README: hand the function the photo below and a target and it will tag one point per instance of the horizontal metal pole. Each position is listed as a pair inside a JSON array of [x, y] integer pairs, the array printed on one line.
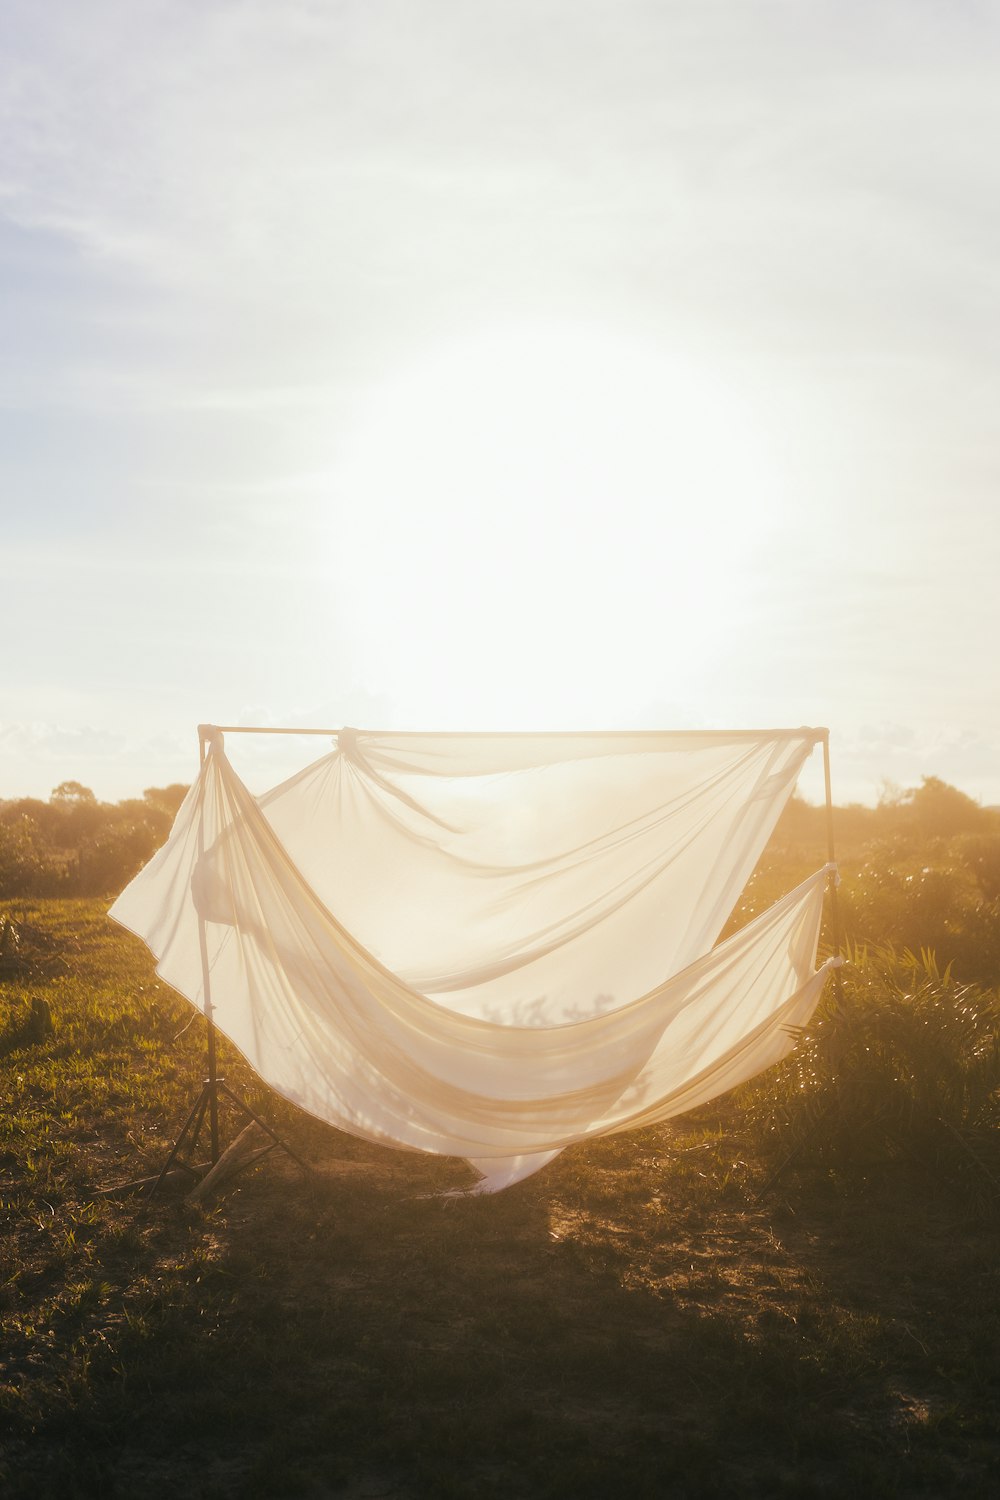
[[523, 734], [260, 729]]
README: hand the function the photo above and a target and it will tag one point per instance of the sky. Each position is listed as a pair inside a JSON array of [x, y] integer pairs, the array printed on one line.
[[471, 364]]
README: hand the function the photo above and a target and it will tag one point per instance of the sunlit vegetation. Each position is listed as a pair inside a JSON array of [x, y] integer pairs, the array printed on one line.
[[901, 1062], [73, 845], [919, 872], [792, 1293]]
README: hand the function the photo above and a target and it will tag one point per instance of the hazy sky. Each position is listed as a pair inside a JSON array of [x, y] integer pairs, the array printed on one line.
[[499, 363]]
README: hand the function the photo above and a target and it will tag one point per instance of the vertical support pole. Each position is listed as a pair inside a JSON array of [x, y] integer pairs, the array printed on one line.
[[832, 857], [213, 1093], [212, 1081]]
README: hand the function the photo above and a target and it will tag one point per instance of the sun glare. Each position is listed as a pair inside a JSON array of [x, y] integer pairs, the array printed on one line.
[[545, 529]]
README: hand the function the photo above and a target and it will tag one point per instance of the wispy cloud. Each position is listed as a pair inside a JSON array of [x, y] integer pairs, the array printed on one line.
[[51, 741], [315, 150]]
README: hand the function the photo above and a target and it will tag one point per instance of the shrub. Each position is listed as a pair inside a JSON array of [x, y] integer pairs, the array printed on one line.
[[906, 1063], [74, 845], [934, 895]]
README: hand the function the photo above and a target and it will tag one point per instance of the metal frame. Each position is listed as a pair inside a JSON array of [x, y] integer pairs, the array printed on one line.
[[833, 880], [207, 1102]]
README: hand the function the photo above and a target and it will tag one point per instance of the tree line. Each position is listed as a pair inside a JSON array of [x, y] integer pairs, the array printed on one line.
[[921, 870], [74, 845]]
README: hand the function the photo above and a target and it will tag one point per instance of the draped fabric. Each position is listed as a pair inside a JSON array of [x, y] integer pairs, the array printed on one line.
[[490, 946]]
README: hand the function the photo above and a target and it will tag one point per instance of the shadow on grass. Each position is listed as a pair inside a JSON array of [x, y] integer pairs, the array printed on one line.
[[596, 1330]]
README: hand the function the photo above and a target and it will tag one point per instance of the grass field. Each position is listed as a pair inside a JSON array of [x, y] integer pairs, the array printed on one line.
[[638, 1319]]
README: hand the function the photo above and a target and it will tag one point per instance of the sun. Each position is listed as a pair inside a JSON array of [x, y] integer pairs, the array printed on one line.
[[545, 528]]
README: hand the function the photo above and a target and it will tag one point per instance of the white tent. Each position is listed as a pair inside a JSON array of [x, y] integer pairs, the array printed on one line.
[[490, 946]]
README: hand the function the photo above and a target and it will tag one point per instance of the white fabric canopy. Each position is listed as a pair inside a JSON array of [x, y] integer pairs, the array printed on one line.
[[490, 946]]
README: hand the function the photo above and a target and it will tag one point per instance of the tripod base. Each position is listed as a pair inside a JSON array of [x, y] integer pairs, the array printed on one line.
[[207, 1103]]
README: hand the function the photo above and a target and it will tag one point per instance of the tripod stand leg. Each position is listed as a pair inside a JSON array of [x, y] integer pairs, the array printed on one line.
[[276, 1140], [193, 1123]]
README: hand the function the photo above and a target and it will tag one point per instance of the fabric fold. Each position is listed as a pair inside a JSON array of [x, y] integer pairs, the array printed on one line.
[[536, 1025]]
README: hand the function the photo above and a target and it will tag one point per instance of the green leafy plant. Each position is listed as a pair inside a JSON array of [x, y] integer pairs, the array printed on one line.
[[905, 1063]]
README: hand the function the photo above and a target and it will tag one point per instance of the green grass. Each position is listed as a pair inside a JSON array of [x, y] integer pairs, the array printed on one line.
[[635, 1320]]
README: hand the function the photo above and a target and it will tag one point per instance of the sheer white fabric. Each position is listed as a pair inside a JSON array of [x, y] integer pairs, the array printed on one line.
[[490, 946]]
